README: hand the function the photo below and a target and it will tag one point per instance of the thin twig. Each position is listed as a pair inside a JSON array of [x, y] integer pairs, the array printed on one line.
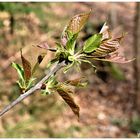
[[33, 89], [47, 48]]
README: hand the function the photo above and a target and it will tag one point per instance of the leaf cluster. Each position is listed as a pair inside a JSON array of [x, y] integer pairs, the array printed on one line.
[[100, 46], [26, 72]]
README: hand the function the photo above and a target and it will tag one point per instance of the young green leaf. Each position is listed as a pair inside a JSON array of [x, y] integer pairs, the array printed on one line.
[[92, 43], [20, 70], [27, 68], [70, 45], [77, 22], [30, 83], [69, 100]]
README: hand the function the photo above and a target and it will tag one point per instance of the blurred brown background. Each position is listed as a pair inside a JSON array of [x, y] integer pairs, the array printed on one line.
[[109, 104]]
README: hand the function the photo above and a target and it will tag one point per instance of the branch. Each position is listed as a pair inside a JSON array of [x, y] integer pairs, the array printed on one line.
[[33, 89]]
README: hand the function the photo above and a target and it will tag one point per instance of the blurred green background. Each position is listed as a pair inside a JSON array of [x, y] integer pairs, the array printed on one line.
[[107, 104]]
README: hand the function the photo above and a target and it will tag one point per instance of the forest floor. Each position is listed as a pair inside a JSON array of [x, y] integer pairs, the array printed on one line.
[[107, 105]]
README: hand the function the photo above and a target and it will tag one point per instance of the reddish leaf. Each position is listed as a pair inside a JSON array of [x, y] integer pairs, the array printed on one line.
[[69, 100], [110, 49], [77, 22], [27, 68], [106, 47], [117, 57]]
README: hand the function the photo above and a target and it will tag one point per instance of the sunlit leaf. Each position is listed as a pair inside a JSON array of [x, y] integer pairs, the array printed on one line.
[[69, 100], [92, 43], [30, 83], [77, 22], [70, 45], [110, 48], [21, 86], [105, 32], [19, 69], [74, 27], [106, 47], [27, 68]]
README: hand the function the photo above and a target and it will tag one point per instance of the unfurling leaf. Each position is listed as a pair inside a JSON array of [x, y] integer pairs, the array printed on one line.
[[109, 50], [70, 45], [92, 43], [106, 47], [77, 22], [30, 83], [39, 60], [71, 31], [105, 32], [27, 68], [69, 100], [20, 70], [115, 57]]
